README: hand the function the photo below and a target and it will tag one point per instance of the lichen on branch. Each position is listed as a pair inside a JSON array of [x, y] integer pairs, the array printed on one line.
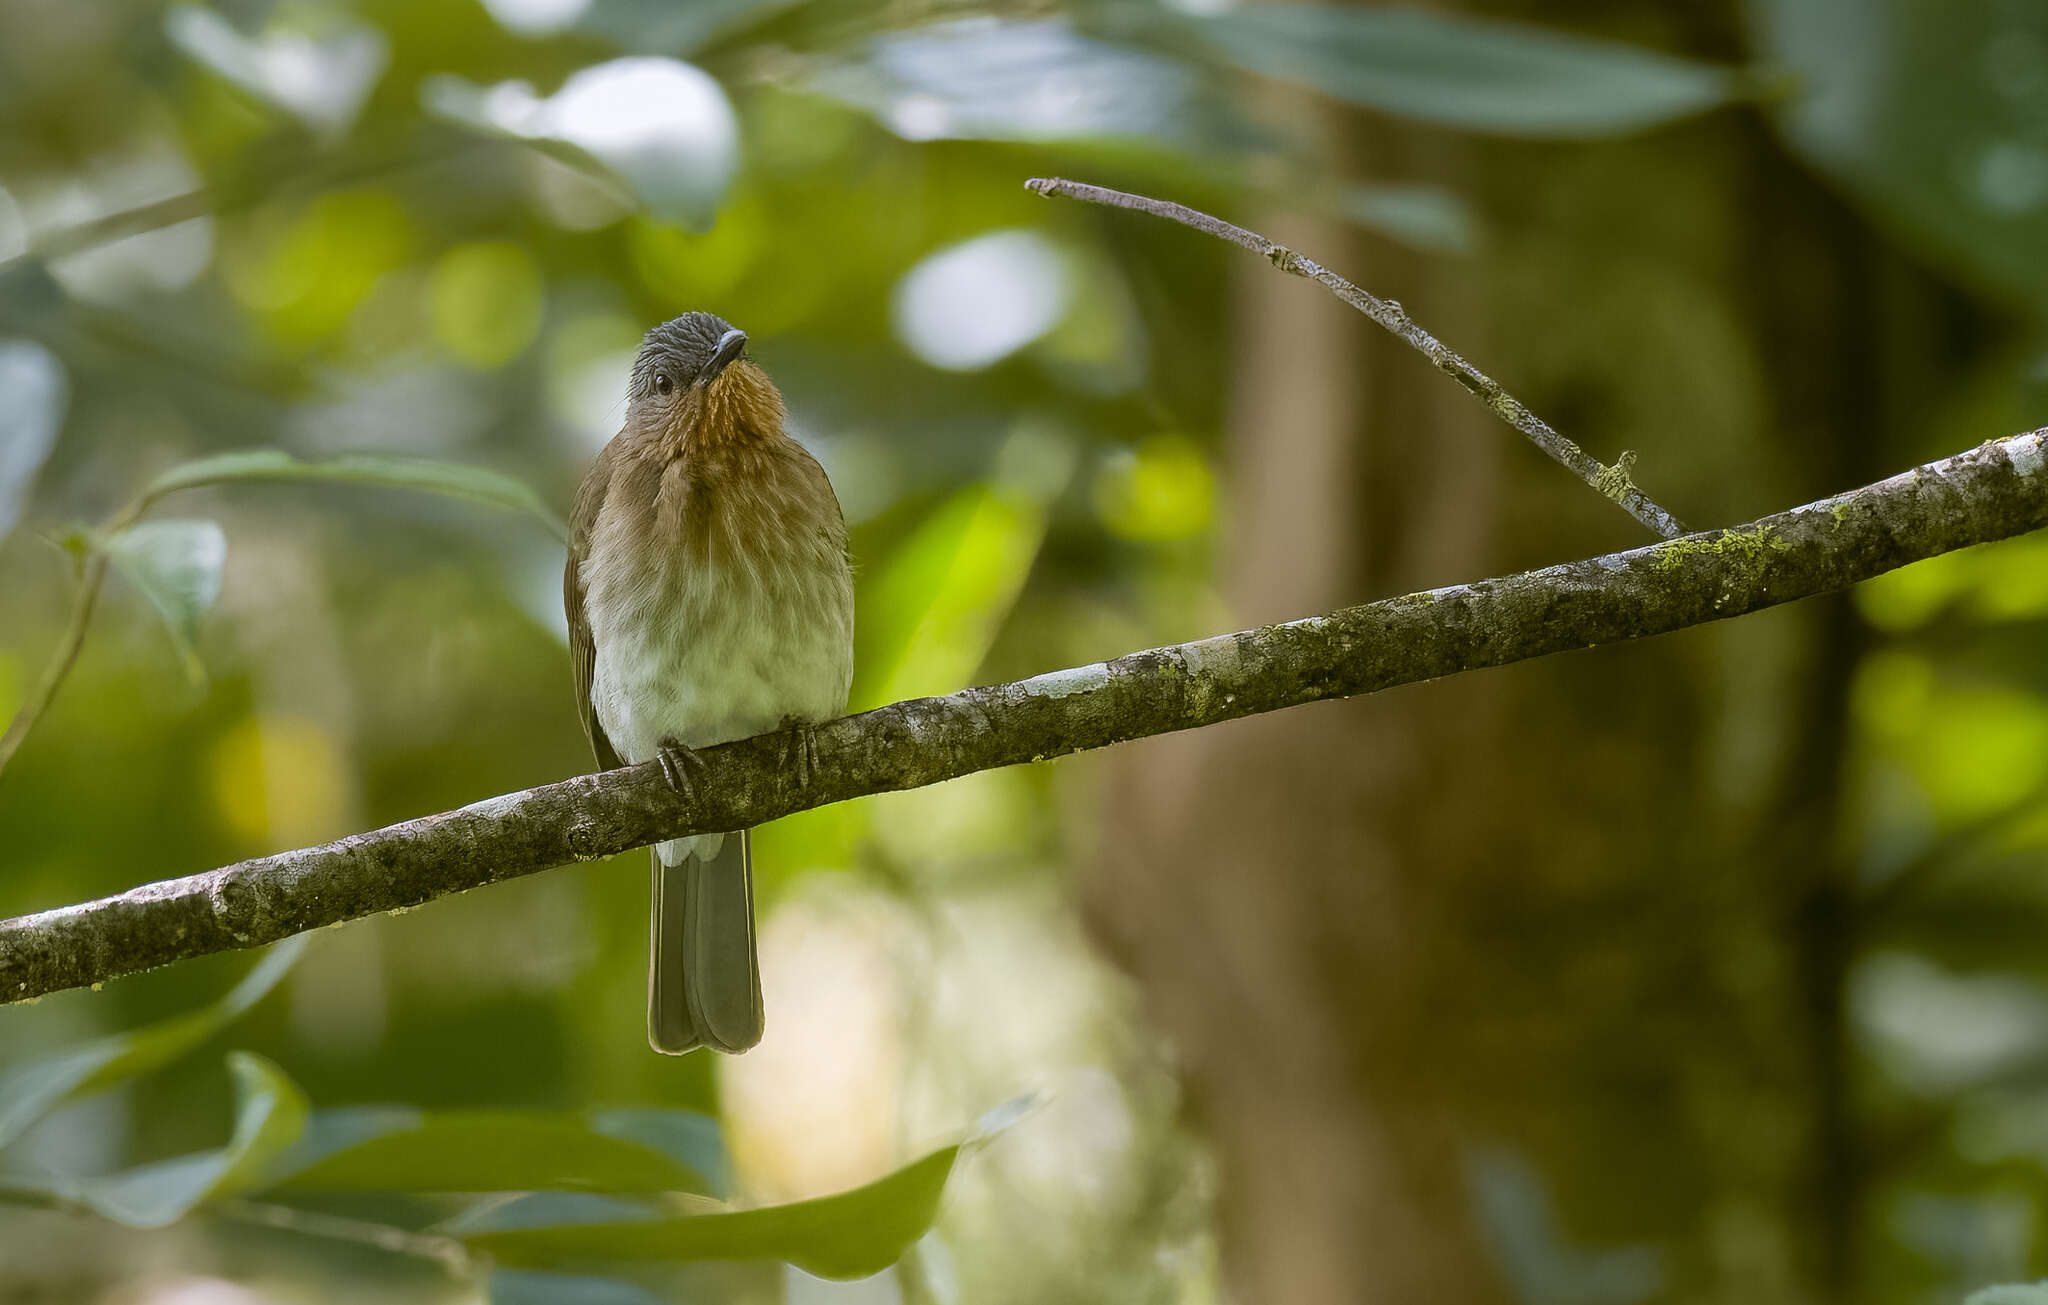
[[1993, 491]]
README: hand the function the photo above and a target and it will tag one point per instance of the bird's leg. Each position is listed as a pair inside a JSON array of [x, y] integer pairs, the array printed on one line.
[[800, 749], [680, 766]]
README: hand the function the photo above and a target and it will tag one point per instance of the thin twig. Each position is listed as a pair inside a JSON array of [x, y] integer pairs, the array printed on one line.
[[1610, 482], [450, 1254], [277, 172], [1994, 491], [82, 604]]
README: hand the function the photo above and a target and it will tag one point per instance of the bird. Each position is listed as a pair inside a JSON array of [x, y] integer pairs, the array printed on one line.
[[710, 597]]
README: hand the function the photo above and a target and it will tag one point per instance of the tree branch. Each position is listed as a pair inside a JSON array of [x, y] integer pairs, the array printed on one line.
[[1994, 491], [1610, 482]]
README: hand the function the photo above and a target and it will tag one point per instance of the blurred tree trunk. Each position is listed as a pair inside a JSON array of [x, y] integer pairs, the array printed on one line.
[[1586, 919], [1254, 891]]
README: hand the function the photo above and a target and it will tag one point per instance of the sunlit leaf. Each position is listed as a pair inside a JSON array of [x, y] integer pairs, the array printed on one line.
[[1502, 78], [33, 395], [399, 1149], [449, 479], [176, 563], [322, 80], [662, 126], [32, 1090], [850, 1235], [269, 1113], [935, 610]]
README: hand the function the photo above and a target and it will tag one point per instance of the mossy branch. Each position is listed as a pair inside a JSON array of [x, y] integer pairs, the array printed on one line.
[[1993, 491]]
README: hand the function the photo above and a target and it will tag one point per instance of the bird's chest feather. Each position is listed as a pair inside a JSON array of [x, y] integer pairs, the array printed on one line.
[[717, 630]]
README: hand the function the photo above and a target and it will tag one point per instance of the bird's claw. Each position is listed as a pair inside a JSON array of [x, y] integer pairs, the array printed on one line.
[[800, 749], [680, 766]]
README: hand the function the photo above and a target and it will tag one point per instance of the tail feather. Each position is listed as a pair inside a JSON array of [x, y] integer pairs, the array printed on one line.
[[703, 971]]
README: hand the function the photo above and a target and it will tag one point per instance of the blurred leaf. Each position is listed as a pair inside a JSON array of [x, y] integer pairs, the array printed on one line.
[[685, 1136], [1503, 78], [322, 79], [1429, 218], [475, 1151], [937, 607], [661, 27], [1931, 115], [1032, 79], [33, 395], [452, 480], [524, 1287], [2011, 1293], [554, 1209], [662, 126], [30, 1091], [177, 564], [850, 1235], [269, 1113]]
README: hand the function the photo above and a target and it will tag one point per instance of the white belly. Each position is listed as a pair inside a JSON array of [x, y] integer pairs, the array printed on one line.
[[696, 661]]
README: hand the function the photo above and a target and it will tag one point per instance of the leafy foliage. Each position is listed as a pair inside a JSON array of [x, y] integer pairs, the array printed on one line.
[[451, 480], [33, 1089], [176, 564], [1464, 73], [281, 1147], [850, 1235]]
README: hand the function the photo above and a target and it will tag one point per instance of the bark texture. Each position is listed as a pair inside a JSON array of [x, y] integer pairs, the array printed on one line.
[[1991, 492]]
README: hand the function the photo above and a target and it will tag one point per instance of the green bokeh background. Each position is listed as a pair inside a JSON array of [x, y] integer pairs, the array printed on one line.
[[1777, 247]]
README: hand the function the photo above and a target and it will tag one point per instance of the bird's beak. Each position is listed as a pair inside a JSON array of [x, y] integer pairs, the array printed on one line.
[[730, 346]]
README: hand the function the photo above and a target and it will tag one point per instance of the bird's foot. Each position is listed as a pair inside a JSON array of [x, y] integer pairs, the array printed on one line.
[[680, 766], [800, 750]]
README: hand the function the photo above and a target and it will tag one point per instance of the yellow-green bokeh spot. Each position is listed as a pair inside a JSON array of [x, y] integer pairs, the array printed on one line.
[[696, 271], [2005, 581], [1974, 749], [304, 271], [1163, 489], [279, 781], [11, 686], [486, 300]]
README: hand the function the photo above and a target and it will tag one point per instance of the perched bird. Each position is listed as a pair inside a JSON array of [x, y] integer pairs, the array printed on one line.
[[709, 599]]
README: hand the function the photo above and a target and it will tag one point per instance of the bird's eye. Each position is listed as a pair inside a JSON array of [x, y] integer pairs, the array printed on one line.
[[662, 383]]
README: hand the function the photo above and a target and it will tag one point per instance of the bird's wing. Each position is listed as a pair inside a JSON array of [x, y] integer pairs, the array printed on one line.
[[582, 649]]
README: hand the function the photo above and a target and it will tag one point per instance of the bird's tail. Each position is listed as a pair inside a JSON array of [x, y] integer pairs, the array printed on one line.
[[703, 973]]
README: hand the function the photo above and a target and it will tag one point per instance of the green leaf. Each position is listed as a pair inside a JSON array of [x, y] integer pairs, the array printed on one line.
[[34, 391], [396, 1149], [1502, 78], [676, 153], [689, 1138], [176, 563], [935, 610], [449, 479], [850, 1235], [270, 1111], [1927, 114], [30, 1091]]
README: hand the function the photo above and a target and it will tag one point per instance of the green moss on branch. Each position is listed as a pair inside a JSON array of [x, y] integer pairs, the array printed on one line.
[[1991, 492]]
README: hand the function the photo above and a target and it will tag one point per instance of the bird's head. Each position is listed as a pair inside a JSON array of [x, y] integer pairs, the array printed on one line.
[[693, 383]]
